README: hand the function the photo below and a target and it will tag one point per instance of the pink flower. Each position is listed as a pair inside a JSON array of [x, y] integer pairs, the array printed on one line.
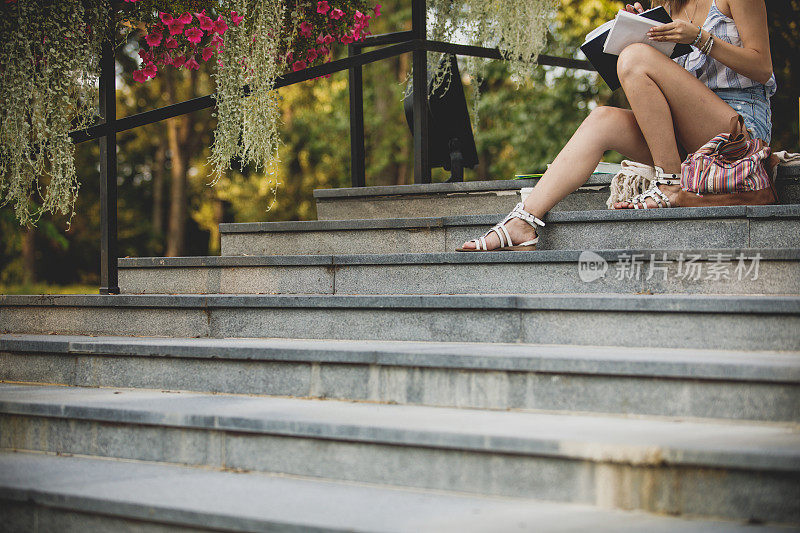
[[178, 61], [194, 35], [337, 13], [298, 65], [320, 39], [323, 7], [171, 43], [236, 18], [144, 54], [153, 39], [150, 70], [175, 27], [207, 53], [217, 41], [377, 10], [289, 56], [206, 24], [192, 64], [329, 39], [139, 76], [311, 55], [166, 18], [346, 39], [186, 18], [323, 51], [305, 29], [220, 26]]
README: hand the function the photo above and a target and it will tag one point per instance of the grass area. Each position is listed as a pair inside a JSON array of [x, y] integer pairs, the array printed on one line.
[[44, 288]]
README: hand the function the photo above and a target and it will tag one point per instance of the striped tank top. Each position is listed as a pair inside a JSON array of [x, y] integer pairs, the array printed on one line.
[[710, 71]]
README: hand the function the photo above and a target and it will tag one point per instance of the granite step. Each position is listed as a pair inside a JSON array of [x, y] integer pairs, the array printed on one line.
[[675, 229], [88, 494], [761, 386], [721, 271], [735, 471], [742, 322], [479, 197]]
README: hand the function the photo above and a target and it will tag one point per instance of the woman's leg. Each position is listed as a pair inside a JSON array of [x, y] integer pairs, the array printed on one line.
[[665, 98], [606, 128]]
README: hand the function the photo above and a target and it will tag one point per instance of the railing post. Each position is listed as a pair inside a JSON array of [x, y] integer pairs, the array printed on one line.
[[422, 167], [109, 283], [357, 151]]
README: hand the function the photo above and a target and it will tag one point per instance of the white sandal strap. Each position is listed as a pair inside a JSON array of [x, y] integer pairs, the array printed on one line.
[[502, 233], [520, 213], [508, 236], [529, 243]]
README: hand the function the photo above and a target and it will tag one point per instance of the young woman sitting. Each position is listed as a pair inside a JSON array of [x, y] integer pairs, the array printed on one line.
[[676, 107]]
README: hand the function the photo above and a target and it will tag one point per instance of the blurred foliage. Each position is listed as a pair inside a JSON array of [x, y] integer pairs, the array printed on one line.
[[518, 130]]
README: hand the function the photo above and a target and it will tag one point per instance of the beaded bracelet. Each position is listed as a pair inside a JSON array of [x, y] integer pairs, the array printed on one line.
[[699, 36]]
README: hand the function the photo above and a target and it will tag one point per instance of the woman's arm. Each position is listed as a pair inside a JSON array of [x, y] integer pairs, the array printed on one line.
[[752, 59]]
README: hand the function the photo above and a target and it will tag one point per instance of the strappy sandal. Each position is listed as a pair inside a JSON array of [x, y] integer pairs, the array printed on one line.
[[654, 192], [502, 233]]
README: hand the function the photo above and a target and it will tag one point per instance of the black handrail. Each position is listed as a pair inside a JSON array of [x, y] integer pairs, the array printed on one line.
[[393, 44]]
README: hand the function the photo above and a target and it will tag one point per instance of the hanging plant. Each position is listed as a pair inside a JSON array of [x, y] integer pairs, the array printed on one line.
[[49, 69], [518, 28]]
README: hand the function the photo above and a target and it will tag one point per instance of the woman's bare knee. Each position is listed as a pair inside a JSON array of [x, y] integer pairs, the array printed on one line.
[[633, 60], [608, 119]]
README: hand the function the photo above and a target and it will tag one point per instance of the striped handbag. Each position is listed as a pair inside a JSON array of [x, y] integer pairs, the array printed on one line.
[[728, 163]]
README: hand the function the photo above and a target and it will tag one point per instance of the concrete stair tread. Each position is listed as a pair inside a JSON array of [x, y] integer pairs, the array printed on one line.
[[638, 441], [791, 211], [704, 321], [690, 271], [670, 303], [785, 174], [778, 367], [202, 498], [774, 226], [433, 258]]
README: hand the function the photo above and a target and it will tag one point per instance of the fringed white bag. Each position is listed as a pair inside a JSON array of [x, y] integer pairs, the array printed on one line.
[[632, 179]]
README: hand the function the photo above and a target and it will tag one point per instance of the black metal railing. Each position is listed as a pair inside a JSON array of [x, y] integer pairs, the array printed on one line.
[[391, 45]]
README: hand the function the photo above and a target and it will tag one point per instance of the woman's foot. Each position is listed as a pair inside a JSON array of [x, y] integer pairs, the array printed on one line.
[[518, 230], [670, 191], [663, 192], [515, 232]]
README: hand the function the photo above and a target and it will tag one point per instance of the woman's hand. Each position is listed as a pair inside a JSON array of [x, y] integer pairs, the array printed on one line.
[[634, 8], [678, 31]]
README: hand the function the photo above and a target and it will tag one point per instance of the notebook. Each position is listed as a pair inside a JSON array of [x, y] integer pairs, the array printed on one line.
[[603, 45]]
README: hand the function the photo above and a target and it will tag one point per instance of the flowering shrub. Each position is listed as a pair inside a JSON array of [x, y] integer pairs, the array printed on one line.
[[308, 31]]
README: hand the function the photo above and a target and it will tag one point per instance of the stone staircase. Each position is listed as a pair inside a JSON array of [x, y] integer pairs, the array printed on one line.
[[355, 374]]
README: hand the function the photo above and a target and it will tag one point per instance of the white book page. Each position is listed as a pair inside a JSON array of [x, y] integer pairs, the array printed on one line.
[[629, 29], [600, 29]]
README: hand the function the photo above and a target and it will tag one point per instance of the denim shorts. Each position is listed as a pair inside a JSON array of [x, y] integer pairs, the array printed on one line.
[[752, 103]]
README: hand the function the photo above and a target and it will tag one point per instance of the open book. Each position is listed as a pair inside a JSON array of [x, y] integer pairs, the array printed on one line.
[[603, 45]]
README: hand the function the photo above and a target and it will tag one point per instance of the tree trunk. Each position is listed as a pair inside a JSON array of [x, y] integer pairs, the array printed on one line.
[[159, 171], [176, 233], [29, 256], [180, 144]]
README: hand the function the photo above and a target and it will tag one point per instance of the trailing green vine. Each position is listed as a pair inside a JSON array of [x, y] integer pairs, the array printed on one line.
[[49, 68]]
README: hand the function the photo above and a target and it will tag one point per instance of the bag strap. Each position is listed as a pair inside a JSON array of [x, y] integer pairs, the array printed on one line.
[[737, 127]]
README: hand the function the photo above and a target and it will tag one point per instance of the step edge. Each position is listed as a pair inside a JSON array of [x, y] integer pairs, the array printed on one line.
[[777, 460], [656, 303], [774, 368]]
